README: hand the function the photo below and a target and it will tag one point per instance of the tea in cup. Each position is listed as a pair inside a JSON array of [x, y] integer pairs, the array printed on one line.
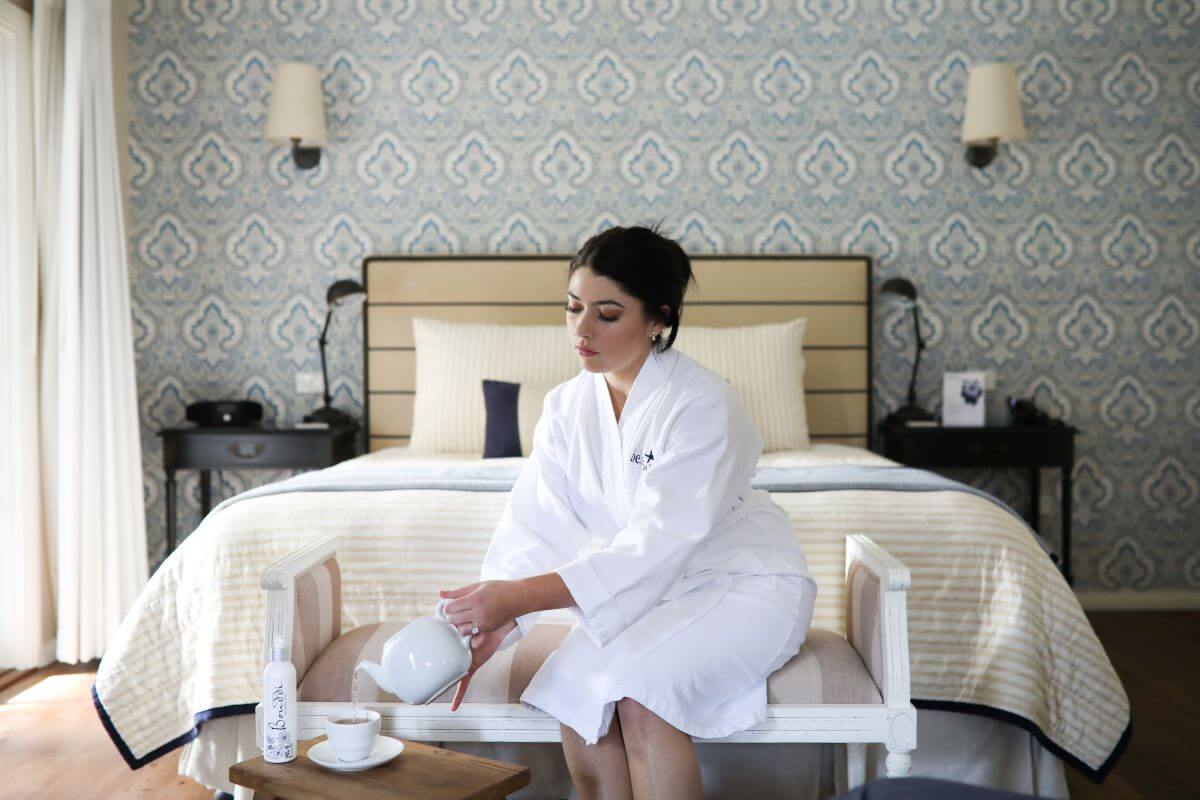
[[352, 737]]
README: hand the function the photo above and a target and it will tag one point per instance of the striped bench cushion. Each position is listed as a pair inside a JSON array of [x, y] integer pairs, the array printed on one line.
[[825, 671], [317, 615], [863, 597]]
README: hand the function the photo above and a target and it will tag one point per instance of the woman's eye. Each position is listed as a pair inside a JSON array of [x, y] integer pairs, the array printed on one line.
[[601, 317]]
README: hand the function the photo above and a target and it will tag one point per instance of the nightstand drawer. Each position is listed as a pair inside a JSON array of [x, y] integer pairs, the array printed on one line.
[[217, 450], [1009, 452], [974, 447]]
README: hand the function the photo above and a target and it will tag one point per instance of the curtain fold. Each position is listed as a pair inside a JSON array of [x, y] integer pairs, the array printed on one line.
[[48, 32], [26, 636], [92, 528]]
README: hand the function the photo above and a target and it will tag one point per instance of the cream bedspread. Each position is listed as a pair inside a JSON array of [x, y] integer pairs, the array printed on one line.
[[993, 627]]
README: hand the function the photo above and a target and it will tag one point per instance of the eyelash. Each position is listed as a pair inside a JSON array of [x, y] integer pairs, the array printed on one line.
[[598, 316]]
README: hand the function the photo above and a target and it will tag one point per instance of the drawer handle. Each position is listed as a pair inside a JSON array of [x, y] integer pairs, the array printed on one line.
[[239, 450]]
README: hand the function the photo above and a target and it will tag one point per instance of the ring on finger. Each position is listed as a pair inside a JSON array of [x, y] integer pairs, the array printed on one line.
[[474, 630]]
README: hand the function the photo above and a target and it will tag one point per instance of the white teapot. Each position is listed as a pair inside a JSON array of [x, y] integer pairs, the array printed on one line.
[[422, 659]]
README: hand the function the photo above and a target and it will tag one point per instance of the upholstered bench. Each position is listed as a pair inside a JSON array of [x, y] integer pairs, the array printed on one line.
[[826, 671], [851, 690]]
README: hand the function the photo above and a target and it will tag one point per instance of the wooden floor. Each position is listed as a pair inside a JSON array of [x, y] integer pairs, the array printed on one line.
[[1156, 656], [52, 744]]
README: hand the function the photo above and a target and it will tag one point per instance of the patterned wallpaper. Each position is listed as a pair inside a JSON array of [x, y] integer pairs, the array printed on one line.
[[1071, 266]]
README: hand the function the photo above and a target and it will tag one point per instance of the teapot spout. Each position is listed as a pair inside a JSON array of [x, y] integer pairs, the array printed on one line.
[[377, 674]]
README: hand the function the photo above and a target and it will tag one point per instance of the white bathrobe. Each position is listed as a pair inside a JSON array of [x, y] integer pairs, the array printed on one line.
[[690, 587]]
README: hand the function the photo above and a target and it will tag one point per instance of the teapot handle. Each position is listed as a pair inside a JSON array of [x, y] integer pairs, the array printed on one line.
[[440, 612]]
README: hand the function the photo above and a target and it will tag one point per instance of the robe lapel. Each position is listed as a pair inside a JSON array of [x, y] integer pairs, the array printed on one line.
[[649, 380], [643, 397]]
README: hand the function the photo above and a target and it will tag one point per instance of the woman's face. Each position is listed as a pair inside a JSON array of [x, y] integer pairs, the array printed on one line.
[[608, 329]]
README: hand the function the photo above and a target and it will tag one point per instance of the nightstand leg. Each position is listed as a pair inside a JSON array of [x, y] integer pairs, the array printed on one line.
[[1066, 524], [205, 492], [1035, 498], [170, 511]]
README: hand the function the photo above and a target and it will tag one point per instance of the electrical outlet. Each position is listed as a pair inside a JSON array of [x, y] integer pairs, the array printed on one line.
[[309, 383]]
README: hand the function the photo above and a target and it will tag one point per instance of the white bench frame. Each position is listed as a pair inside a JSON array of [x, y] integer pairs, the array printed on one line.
[[892, 723]]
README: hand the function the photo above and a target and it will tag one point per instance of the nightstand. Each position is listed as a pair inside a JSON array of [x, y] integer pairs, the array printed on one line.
[[1026, 446], [212, 448]]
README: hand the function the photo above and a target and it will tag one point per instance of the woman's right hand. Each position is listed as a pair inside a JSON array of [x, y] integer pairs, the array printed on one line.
[[483, 647]]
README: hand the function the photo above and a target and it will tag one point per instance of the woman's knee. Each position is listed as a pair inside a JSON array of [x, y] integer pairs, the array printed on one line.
[[638, 723]]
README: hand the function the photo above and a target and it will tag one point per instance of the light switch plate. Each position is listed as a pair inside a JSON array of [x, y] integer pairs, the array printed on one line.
[[309, 383]]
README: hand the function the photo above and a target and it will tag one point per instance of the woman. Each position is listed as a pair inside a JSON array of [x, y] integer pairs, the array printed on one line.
[[635, 512]]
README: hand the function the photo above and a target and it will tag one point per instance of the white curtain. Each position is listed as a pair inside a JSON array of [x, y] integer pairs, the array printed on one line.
[[26, 635], [93, 523]]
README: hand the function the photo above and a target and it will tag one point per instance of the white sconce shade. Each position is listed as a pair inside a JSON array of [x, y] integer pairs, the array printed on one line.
[[297, 106], [993, 106]]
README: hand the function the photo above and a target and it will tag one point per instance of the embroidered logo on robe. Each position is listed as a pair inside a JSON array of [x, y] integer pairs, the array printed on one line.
[[645, 459]]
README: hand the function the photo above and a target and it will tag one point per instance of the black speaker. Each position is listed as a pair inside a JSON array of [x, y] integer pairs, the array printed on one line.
[[230, 413]]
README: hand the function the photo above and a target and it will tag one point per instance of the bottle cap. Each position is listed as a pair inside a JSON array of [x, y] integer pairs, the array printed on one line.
[[279, 650]]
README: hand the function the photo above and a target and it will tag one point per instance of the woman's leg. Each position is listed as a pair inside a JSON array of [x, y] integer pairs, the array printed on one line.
[[600, 771], [662, 758]]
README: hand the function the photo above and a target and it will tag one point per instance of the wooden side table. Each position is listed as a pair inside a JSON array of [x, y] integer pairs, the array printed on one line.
[[212, 448], [1025, 446], [421, 772]]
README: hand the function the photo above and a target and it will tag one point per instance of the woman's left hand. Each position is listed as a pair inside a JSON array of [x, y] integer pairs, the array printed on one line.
[[486, 605]]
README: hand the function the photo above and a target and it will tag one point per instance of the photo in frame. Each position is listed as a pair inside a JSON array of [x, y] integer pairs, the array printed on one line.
[[963, 402]]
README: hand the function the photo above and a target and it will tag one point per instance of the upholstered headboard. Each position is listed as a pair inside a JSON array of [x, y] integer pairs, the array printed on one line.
[[832, 292]]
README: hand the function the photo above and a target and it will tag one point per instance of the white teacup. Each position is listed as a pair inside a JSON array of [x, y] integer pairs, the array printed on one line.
[[352, 739]]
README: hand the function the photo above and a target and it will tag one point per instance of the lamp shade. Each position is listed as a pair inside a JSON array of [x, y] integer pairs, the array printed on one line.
[[900, 286], [297, 106], [345, 293], [993, 106]]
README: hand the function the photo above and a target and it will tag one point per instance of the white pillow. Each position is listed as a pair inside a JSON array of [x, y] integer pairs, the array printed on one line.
[[453, 358], [529, 411], [765, 366], [763, 363]]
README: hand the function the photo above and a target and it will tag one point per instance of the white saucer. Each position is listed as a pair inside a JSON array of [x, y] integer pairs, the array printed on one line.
[[386, 748]]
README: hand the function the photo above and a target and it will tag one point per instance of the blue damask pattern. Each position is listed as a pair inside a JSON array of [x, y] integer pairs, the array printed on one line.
[[1071, 266]]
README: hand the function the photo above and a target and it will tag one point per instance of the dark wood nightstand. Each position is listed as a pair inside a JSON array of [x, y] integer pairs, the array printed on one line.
[[1029, 446], [212, 448]]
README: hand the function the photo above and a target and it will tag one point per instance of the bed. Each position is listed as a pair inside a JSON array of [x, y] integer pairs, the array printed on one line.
[[1009, 676]]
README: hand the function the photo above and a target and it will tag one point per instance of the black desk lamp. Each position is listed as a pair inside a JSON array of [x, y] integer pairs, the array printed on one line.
[[341, 293], [902, 287]]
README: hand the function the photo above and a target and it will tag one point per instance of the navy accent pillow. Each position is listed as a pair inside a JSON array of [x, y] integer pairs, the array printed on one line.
[[501, 434]]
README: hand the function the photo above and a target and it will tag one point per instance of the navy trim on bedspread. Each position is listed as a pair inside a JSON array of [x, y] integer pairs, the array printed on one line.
[[201, 718], [1095, 775]]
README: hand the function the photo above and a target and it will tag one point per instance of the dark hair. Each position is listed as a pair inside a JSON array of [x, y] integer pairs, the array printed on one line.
[[647, 265]]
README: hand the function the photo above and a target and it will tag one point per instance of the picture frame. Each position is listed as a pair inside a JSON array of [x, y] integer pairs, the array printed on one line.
[[963, 399]]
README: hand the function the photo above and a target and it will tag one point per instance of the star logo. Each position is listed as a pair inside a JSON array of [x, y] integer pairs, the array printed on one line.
[[645, 459]]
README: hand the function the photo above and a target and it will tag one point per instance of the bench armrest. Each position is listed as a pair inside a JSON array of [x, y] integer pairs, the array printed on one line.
[[877, 627], [304, 603], [877, 615]]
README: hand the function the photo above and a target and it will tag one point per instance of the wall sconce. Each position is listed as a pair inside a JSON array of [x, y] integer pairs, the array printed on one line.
[[993, 112], [296, 112]]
